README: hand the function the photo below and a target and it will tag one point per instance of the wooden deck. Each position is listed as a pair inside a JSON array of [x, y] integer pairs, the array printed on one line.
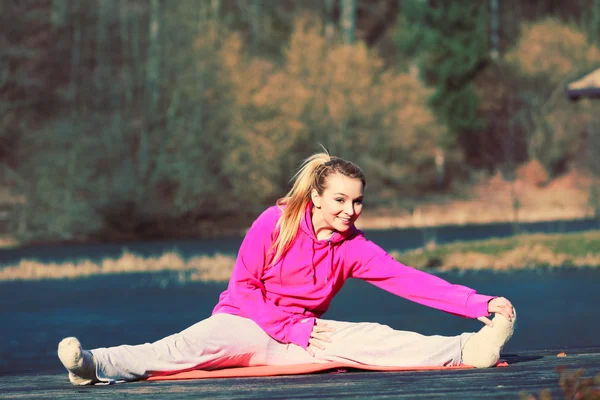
[[528, 371]]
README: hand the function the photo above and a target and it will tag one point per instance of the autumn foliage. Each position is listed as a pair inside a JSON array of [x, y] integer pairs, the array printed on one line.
[[153, 118]]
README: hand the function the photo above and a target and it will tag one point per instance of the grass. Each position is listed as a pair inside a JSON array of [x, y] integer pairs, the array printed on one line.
[[518, 252], [7, 242], [201, 268]]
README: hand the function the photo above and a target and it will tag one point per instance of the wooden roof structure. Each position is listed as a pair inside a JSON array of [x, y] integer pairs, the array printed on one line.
[[587, 86]]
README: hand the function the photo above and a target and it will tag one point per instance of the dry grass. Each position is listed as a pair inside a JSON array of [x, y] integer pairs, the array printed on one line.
[[7, 242], [519, 252], [202, 268]]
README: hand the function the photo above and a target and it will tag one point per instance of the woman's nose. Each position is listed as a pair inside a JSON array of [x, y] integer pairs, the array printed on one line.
[[350, 209]]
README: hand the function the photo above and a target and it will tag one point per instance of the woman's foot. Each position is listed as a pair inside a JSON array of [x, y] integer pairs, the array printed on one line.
[[80, 363], [482, 349]]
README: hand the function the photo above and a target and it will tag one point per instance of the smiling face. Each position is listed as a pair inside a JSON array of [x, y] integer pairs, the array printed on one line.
[[338, 207]]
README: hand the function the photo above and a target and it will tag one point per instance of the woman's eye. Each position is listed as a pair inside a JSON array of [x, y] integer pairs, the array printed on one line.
[[339, 200], [358, 202]]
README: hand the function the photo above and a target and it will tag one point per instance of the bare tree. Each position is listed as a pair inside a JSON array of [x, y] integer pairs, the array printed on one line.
[[494, 24], [59, 12], [215, 6], [348, 21], [152, 95], [329, 19], [153, 64], [595, 22]]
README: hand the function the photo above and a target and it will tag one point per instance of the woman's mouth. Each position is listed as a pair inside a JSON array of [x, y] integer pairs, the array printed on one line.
[[345, 221]]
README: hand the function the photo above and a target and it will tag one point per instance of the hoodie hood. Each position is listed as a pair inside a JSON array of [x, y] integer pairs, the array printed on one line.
[[336, 238]]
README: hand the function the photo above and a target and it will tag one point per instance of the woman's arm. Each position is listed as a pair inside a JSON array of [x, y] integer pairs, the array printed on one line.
[[372, 264]]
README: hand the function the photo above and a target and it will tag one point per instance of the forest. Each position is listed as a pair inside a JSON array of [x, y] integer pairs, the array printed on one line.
[[160, 118]]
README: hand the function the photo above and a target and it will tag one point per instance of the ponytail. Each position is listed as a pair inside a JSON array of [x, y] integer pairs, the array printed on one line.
[[296, 201]]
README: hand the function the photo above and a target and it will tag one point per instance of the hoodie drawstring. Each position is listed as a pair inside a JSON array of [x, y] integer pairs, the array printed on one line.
[[330, 272], [312, 262], [329, 255]]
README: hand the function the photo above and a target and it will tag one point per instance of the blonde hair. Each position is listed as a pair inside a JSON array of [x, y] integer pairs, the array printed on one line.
[[312, 175]]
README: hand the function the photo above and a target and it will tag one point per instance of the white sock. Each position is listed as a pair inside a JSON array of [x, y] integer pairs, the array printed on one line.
[[80, 363], [482, 349]]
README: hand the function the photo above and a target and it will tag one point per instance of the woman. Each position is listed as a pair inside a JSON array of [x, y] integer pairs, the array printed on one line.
[[292, 262]]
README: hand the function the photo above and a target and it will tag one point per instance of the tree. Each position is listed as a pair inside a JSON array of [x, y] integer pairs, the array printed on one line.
[[449, 41], [548, 54], [343, 97]]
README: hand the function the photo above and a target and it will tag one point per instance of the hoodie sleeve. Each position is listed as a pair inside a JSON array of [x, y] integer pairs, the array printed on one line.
[[374, 265], [247, 290]]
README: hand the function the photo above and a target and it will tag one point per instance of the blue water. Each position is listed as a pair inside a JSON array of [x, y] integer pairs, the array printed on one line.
[[556, 309]]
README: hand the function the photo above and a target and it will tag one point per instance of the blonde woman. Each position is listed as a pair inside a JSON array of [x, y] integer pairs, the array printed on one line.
[[294, 259]]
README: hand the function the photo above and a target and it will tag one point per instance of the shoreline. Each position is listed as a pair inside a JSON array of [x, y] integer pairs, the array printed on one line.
[[575, 250], [423, 217], [437, 216], [491, 199]]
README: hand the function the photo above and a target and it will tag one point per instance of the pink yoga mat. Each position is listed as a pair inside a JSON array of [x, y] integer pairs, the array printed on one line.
[[298, 369]]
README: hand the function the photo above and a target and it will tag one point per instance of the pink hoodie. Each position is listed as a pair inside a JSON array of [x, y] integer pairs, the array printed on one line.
[[285, 299]]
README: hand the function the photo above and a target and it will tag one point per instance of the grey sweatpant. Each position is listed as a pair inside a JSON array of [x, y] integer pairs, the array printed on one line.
[[225, 340]]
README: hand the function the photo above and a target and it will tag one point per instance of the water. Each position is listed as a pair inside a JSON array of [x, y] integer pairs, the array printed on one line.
[[557, 308]]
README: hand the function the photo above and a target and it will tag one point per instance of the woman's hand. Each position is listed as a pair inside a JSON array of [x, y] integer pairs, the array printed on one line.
[[318, 336], [501, 306]]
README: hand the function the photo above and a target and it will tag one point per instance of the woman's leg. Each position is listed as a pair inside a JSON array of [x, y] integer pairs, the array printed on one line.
[[376, 344], [220, 341]]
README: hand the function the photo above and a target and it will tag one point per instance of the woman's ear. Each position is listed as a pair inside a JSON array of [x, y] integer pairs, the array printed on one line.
[[316, 199]]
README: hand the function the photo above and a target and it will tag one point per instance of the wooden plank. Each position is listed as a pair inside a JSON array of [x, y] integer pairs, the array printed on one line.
[[528, 371]]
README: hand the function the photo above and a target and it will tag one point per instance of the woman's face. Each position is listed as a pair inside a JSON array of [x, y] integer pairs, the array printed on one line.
[[339, 206]]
